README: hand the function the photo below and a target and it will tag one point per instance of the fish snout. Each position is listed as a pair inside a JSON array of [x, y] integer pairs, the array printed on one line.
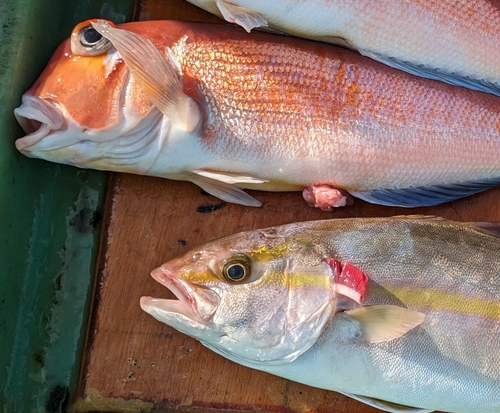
[[38, 117], [195, 301], [183, 303]]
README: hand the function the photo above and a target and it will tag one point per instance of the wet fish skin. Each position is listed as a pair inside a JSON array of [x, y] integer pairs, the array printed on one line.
[[448, 271], [457, 42], [275, 114]]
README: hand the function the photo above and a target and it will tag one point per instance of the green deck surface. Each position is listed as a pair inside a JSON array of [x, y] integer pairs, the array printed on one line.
[[49, 221]]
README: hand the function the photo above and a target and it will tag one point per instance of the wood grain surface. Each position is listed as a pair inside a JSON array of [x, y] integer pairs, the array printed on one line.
[[135, 363]]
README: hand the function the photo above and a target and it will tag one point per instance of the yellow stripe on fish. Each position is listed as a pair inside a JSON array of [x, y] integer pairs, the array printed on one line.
[[436, 300]]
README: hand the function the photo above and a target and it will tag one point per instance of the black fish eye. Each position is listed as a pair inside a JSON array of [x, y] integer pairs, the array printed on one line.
[[93, 41], [92, 36], [237, 268], [236, 271]]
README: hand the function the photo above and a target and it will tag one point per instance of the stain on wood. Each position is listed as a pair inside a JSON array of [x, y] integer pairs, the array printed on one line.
[[135, 363]]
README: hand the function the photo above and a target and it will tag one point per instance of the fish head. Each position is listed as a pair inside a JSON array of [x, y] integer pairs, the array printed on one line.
[[85, 109], [260, 297]]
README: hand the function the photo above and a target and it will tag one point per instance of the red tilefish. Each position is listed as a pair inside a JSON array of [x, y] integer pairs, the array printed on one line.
[[228, 111]]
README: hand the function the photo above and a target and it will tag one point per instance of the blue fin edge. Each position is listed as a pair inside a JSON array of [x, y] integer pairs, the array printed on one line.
[[425, 195]]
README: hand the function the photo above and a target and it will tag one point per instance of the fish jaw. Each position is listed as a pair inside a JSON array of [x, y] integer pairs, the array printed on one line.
[[183, 313], [37, 117], [53, 135], [194, 302]]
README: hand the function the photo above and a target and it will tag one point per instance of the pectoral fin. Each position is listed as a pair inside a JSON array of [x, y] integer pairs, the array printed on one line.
[[224, 191], [387, 406], [380, 323], [157, 75], [246, 18]]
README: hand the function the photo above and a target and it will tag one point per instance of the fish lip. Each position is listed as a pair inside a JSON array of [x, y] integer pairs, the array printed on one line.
[[185, 304], [35, 111]]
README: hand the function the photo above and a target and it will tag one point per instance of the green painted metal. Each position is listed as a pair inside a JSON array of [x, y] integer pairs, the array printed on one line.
[[49, 217]]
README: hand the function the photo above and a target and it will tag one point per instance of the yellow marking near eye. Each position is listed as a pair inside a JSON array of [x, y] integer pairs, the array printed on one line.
[[440, 301], [204, 277], [285, 249], [263, 253], [273, 278], [420, 298]]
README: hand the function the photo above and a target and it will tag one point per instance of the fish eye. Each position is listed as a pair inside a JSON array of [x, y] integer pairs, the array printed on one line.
[[237, 268], [90, 37], [92, 41]]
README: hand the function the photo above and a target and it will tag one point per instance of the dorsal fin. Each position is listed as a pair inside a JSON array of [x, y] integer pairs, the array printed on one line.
[[421, 217], [489, 228]]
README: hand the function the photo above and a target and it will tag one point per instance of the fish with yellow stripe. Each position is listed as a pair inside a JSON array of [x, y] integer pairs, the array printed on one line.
[[400, 313]]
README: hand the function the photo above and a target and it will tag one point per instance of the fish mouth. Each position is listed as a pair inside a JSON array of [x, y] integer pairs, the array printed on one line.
[[184, 304], [38, 117]]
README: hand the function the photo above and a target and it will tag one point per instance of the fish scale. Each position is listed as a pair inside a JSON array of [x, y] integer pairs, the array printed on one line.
[[350, 120]]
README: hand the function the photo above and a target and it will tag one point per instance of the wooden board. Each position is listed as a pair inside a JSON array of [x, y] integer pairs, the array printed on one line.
[[134, 363]]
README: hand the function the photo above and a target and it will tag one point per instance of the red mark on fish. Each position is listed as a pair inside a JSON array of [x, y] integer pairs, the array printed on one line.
[[349, 280]]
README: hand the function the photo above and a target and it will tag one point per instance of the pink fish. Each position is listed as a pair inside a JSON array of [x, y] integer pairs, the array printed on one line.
[[228, 110]]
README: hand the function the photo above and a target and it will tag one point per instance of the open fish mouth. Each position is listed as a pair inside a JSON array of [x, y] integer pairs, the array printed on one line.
[[38, 117], [185, 304]]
